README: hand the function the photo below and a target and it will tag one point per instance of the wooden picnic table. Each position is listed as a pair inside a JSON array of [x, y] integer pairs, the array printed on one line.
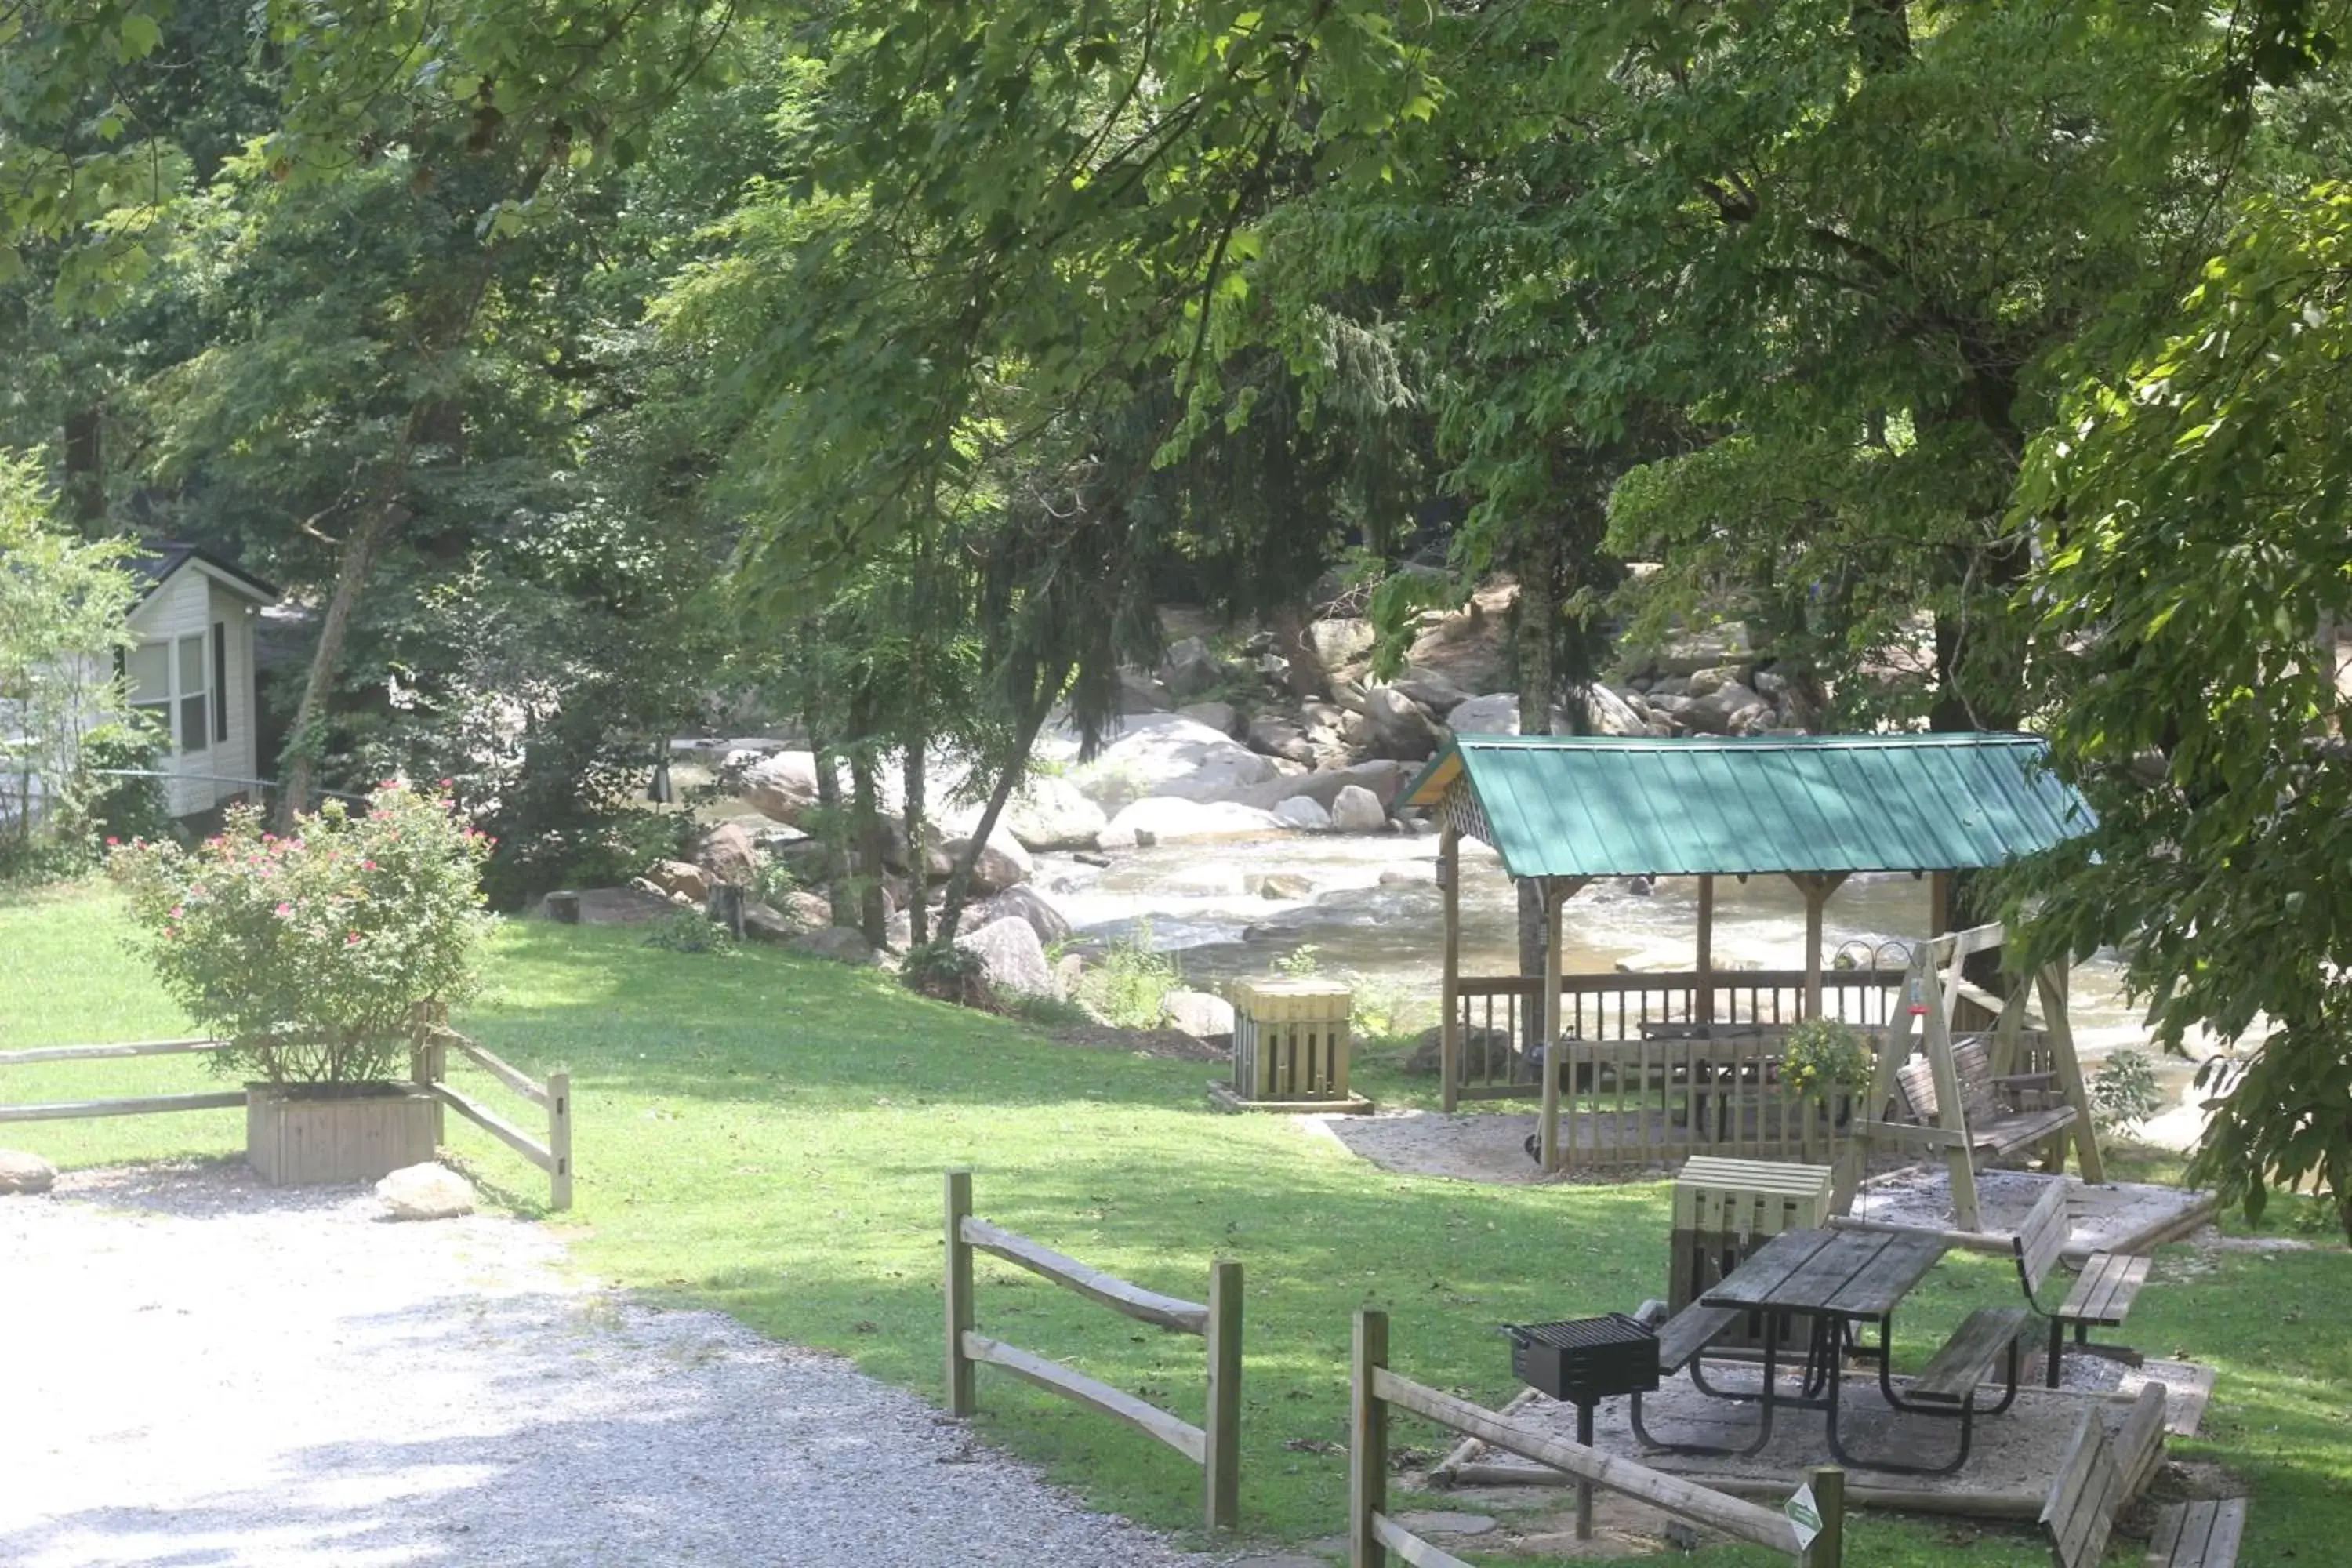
[[1839, 1278]]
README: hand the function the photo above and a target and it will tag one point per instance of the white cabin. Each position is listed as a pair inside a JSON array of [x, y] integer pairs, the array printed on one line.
[[193, 669]]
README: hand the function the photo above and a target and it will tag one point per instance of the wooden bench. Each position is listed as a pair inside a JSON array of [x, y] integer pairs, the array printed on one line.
[[1954, 1372], [2103, 1293], [2198, 1534], [2097, 1477], [1992, 1130]]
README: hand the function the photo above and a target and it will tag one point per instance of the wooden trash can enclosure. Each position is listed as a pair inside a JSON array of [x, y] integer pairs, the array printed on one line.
[[1290, 1049], [1726, 1209], [300, 1133]]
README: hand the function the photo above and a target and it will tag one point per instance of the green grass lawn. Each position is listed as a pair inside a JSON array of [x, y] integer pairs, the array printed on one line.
[[766, 1135]]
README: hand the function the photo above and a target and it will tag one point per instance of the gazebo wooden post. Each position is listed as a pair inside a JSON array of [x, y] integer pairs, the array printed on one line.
[[1557, 890], [1817, 886], [1551, 1004], [1940, 903], [1703, 1011], [1449, 1047]]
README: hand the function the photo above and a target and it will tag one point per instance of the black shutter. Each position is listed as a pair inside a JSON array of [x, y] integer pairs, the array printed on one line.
[[220, 680]]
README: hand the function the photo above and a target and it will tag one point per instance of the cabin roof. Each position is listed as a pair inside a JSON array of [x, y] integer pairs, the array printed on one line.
[[155, 562]]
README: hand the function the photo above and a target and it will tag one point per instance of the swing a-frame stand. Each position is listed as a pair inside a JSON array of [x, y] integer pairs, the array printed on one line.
[[1976, 1098]]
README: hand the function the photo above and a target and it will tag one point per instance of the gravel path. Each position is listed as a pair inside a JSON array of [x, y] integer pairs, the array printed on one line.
[[202, 1372]]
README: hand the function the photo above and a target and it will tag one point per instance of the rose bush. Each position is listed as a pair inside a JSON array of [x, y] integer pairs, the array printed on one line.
[[324, 938]]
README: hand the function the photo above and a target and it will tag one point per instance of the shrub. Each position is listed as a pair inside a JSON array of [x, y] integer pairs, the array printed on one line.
[[325, 940], [691, 931], [2124, 1092], [1822, 1057], [951, 974], [1126, 989]]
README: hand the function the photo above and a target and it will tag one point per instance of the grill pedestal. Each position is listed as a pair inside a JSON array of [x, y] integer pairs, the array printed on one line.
[[1581, 1362]]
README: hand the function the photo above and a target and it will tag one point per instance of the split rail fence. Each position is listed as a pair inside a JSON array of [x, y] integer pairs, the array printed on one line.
[[1373, 1535], [428, 1058], [1214, 1447], [428, 1065]]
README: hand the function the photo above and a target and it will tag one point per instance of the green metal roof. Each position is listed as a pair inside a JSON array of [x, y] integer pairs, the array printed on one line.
[[1594, 805]]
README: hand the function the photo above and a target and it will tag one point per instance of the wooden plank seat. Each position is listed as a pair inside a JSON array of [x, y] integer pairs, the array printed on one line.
[[2097, 1478], [1949, 1383], [1999, 1116], [1681, 1338], [1955, 1372], [2203, 1534], [2102, 1294]]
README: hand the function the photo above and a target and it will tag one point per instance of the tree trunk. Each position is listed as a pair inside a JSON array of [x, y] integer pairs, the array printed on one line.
[[1308, 677], [919, 858], [833, 824], [873, 851], [1533, 644], [305, 739], [1016, 768]]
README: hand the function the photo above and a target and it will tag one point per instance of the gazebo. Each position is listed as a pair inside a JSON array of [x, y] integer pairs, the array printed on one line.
[[1563, 810]]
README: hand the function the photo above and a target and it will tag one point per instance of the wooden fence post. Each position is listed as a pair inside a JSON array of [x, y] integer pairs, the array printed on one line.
[[1367, 1442], [1828, 1549], [962, 1397], [1221, 1464], [559, 1138]]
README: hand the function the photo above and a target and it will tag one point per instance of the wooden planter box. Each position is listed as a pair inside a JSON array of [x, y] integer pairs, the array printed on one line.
[[300, 1133]]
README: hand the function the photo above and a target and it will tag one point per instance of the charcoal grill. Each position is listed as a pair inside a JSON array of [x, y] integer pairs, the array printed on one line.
[[1583, 1360]]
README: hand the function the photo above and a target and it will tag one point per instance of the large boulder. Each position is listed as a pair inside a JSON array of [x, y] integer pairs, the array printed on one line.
[[680, 878], [1399, 729], [1163, 755], [1279, 738], [1051, 813], [1198, 1014], [730, 854], [783, 787], [1342, 641], [1188, 669], [1012, 958], [1498, 713], [1301, 811], [21, 1173], [1168, 819], [780, 922], [1002, 862], [1432, 690], [1611, 714], [1355, 809], [1221, 717], [429, 1191], [1142, 694], [1725, 711], [1383, 777], [838, 943], [1026, 904]]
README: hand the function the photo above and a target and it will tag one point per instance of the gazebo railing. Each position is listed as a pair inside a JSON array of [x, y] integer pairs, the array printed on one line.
[[1500, 1021]]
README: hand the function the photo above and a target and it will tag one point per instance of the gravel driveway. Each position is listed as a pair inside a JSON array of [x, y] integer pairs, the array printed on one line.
[[200, 1372]]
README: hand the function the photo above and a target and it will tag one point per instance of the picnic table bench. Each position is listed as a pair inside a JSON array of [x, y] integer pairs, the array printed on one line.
[[2102, 1295], [2097, 1477]]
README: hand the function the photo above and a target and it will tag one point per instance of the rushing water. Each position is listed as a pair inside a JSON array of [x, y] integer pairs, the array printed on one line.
[[1372, 911]]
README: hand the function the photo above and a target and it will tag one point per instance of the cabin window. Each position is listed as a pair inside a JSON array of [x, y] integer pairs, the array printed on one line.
[[170, 684], [195, 705], [147, 673], [220, 680]]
